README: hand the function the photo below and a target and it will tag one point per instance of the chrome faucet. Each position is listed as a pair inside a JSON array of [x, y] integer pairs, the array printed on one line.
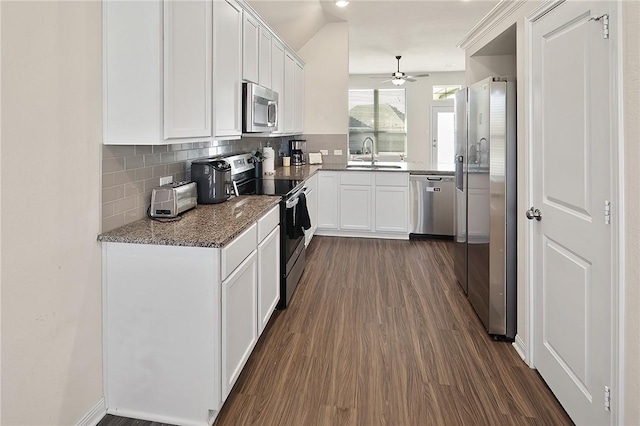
[[364, 142]]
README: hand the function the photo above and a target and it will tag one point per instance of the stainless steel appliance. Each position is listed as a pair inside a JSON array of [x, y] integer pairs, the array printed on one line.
[[431, 205], [259, 109], [486, 191], [168, 201], [213, 177], [460, 197], [293, 193], [297, 147]]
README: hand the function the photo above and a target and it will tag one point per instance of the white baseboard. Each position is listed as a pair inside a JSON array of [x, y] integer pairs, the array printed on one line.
[[520, 347], [362, 234], [93, 417]]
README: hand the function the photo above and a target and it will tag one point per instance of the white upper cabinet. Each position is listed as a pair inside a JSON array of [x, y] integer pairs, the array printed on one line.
[[289, 93], [264, 58], [157, 72], [250, 48], [227, 69], [173, 71], [132, 74], [298, 101], [277, 79], [187, 69]]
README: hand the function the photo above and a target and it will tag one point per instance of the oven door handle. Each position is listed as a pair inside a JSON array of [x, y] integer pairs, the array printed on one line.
[[292, 203]]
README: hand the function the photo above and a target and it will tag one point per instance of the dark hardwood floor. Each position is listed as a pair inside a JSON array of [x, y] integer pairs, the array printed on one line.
[[380, 333]]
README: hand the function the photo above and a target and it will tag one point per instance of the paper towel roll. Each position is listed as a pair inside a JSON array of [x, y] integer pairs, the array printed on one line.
[[268, 166]]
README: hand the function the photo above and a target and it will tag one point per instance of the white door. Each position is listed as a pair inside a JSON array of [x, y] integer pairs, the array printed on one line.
[[442, 137], [571, 178], [239, 320], [355, 208], [268, 277]]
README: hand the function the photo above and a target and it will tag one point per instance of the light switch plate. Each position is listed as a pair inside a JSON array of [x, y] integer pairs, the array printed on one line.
[[337, 152], [324, 151], [165, 180]]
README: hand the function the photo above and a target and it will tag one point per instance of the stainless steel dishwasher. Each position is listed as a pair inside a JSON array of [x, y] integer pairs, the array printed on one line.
[[431, 204]]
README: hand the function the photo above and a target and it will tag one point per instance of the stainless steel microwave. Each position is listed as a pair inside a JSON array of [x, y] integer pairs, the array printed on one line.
[[259, 108]]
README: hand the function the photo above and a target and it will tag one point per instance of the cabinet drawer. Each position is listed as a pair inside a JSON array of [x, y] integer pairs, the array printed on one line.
[[267, 222], [355, 178], [392, 179], [237, 250]]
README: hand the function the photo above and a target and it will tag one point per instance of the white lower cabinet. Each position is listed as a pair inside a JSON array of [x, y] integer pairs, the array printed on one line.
[[355, 208], [180, 322], [268, 277], [312, 207], [328, 183], [391, 210], [363, 204], [239, 320]]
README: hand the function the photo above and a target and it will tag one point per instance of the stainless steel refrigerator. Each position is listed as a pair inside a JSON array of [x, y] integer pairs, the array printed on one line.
[[485, 228]]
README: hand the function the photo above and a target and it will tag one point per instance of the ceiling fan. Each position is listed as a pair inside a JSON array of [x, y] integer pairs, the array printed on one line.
[[398, 78]]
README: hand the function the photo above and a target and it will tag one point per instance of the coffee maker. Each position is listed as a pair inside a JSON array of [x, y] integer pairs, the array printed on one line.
[[296, 147]]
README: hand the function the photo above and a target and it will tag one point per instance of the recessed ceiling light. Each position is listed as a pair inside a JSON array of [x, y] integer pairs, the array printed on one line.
[[342, 3]]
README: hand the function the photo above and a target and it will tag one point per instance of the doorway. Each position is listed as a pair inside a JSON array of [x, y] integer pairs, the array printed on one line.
[[442, 137]]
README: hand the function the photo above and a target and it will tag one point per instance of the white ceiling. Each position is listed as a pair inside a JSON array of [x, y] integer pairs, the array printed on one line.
[[424, 32]]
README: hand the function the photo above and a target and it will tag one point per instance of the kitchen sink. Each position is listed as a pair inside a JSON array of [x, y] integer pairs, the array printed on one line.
[[370, 167]]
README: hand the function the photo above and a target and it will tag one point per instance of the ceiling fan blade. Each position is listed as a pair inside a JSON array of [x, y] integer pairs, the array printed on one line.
[[386, 81], [410, 79], [378, 76], [419, 75]]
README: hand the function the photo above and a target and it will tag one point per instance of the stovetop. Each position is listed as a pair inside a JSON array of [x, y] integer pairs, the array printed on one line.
[[257, 186]]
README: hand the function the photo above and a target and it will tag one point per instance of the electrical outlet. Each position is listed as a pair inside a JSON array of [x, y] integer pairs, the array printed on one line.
[[324, 151], [337, 152], [165, 180]]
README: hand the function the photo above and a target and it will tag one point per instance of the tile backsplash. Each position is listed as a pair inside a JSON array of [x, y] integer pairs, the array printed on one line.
[[130, 172]]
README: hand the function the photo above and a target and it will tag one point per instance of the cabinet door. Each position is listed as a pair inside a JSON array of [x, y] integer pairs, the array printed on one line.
[[187, 69], [312, 206], [239, 320], [227, 69], [250, 50], [298, 115], [277, 79], [132, 53], [392, 205], [268, 277], [289, 92], [328, 200], [355, 208], [264, 62]]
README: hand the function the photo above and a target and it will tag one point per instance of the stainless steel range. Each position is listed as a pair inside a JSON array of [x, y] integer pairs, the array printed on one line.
[[292, 249]]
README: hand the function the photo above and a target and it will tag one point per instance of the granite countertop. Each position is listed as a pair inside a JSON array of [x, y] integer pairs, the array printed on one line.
[[208, 225], [306, 171]]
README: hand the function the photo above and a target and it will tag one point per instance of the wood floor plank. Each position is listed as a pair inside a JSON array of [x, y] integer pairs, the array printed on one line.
[[379, 333]]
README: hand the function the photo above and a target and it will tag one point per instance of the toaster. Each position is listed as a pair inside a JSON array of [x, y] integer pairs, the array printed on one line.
[[172, 199]]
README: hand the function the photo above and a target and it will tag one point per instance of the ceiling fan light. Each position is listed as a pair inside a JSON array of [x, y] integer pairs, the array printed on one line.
[[398, 81], [342, 3]]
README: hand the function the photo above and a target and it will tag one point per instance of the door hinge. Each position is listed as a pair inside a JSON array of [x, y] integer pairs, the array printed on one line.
[[605, 24], [607, 398], [607, 212]]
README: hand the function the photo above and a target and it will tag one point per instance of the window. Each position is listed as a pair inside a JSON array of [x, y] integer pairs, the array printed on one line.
[[445, 92], [380, 115]]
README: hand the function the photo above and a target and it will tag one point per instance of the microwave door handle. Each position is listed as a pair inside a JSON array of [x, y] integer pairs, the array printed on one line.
[[272, 106]]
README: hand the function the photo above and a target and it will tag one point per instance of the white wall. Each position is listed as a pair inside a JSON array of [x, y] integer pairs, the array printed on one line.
[[631, 82], [51, 132], [419, 102], [326, 57]]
